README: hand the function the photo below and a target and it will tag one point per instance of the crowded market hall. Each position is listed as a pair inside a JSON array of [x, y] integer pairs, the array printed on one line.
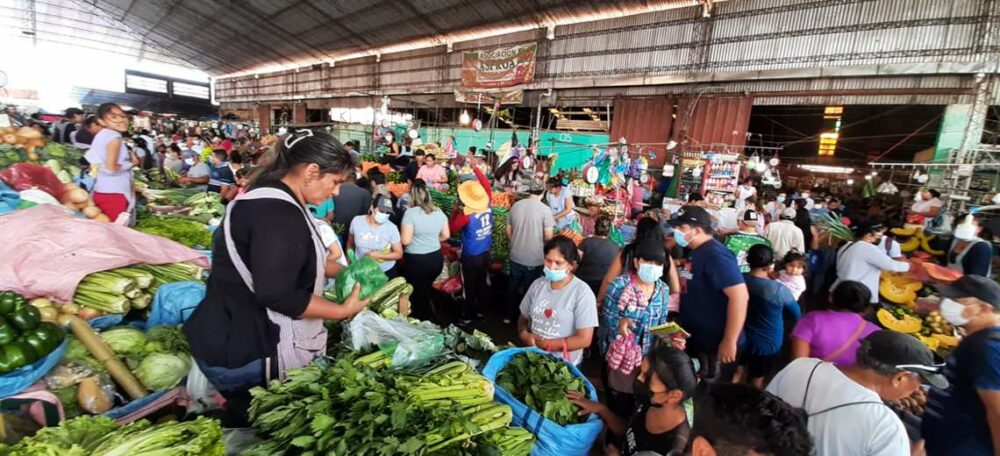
[[479, 228]]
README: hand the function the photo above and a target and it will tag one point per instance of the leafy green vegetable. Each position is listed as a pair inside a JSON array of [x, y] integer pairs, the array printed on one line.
[[541, 382], [167, 339], [178, 229], [160, 371], [202, 437], [124, 339], [74, 437], [68, 397]]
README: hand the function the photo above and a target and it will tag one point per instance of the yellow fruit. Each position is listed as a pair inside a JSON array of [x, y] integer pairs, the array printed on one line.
[[911, 244], [927, 248], [931, 342], [904, 324], [896, 294], [903, 232], [945, 341]]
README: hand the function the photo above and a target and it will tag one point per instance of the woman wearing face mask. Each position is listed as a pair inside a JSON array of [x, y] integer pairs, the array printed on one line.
[[863, 261], [558, 312], [112, 191], [657, 423], [624, 263], [971, 251], [263, 309], [373, 236], [745, 191], [964, 418], [560, 201], [636, 302]]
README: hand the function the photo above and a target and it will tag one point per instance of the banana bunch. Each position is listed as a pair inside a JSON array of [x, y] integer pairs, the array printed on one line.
[[916, 238]]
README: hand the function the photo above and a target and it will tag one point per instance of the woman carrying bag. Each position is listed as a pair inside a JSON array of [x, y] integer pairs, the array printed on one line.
[[263, 309]]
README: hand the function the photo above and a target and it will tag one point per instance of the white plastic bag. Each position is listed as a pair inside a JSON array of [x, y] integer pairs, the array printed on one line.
[[200, 391]]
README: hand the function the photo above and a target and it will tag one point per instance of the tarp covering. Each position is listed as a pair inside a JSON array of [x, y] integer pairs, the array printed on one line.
[[45, 251]]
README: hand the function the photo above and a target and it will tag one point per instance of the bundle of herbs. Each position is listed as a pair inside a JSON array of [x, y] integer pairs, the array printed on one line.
[[541, 382]]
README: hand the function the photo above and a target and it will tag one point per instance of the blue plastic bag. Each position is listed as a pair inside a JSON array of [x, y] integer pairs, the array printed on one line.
[[9, 199], [106, 321], [19, 380], [174, 303], [551, 438]]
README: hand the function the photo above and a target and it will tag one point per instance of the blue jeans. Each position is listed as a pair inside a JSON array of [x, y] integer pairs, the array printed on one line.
[[234, 385], [521, 277]]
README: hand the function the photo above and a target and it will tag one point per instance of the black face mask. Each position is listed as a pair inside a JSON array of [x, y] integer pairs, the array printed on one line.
[[642, 393]]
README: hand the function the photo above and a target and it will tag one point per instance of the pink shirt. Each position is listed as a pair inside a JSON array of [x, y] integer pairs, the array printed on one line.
[[828, 330], [432, 176]]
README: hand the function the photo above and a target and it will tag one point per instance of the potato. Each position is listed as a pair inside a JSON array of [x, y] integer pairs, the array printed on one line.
[[91, 211], [101, 218], [92, 397]]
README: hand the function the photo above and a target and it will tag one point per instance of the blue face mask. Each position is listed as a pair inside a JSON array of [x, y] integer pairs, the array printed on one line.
[[381, 217], [781, 199], [679, 237], [555, 275], [650, 273]]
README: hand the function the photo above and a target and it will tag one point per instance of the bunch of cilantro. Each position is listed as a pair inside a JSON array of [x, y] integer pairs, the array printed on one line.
[[178, 229], [541, 382]]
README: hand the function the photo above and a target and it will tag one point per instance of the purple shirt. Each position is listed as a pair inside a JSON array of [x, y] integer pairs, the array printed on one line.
[[828, 330]]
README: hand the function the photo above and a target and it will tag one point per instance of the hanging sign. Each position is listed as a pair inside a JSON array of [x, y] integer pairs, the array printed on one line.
[[499, 67], [505, 97]]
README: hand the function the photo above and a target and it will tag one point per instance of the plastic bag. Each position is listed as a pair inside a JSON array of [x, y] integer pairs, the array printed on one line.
[[552, 439], [366, 272], [408, 345], [9, 199], [23, 176], [174, 303], [200, 391], [19, 380]]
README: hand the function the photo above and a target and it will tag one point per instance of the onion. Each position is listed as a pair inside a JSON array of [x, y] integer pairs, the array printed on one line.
[[77, 195], [101, 218]]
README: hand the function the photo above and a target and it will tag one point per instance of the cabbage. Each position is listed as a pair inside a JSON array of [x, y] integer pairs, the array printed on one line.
[[160, 371], [124, 340]]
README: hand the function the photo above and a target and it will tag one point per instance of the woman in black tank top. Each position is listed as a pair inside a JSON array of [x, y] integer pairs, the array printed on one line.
[[659, 425]]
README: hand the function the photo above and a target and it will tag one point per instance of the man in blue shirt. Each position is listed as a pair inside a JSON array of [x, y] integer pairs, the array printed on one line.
[[474, 219], [964, 418], [770, 301], [714, 307], [220, 175]]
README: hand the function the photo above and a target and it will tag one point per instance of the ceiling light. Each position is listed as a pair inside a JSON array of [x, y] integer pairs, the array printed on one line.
[[827, 169], [449, 47], [464, 118], [850, 181], [551, 33]]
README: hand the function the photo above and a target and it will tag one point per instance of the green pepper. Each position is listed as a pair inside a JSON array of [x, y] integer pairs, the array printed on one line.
[[46, 336], [7, 332], [30, 337], [8, 299], [17, 354], [25, 317]]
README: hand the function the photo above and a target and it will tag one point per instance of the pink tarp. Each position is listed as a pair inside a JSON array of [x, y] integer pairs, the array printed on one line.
[[44, 251]]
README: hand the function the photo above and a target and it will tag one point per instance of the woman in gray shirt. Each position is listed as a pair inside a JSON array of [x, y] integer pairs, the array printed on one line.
[[422, 231]]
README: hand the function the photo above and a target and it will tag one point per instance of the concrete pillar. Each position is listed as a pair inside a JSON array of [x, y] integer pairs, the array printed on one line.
[[264, 118], [299, 113]]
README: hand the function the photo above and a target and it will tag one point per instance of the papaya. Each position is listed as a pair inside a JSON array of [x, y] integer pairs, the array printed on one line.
[[930, 342], [941, 273], [896, 294], [945, 341], [911, 244], [904, 323], [925, 245]]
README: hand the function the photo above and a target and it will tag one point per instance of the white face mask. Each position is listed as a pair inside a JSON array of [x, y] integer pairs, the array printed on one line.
[[952, 312], [189, 161], [965, 232]]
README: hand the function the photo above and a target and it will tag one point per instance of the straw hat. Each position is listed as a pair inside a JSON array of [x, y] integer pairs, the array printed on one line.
[[473, 196]]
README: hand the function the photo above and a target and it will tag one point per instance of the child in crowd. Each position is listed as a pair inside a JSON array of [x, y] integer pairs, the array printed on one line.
[[792, 274]]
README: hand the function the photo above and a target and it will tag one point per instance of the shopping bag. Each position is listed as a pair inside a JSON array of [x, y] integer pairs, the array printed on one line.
[[551, 438], [365, 272], [174, 303]]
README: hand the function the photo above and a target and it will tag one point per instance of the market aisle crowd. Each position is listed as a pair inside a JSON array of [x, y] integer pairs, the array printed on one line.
[[684, 309]]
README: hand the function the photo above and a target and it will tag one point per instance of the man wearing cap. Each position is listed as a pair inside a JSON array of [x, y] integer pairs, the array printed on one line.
[[863, 261], [741, 241], [714, 307], [784, 235], [475, 221], [197, 174], [529, 225], [844, 405], [964, 418]]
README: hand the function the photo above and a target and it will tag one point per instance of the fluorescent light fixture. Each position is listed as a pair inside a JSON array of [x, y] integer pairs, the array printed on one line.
[[827, 169], [850, 181], [551, 32], [464, 119]]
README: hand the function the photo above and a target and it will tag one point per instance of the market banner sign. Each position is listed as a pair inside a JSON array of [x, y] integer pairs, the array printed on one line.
[[499, 67], [505, 97]]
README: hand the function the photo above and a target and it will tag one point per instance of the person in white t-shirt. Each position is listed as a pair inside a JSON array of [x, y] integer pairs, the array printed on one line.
[[845, 408], [929, 205], [863, 261]]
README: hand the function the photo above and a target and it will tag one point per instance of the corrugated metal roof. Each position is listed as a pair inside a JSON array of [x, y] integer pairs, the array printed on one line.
[[224, 37]]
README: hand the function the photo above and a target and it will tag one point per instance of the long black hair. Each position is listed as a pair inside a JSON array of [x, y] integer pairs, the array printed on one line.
[[674, 368], [306, 147]]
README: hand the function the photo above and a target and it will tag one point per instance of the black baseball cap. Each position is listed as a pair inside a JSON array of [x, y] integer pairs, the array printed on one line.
[[750, 215], [692, 215], [905, 352], [70, 112], [972, 286], [868, 227], [383, 204]]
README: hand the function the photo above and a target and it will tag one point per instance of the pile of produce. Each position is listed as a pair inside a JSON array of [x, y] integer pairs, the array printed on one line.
[[398, 189], [475, 349], [119, 290], [899, 319], [358, 406], [368, 165], [577, 238], [937, 332], [913, 237], [101, 436], [24, 337], [900, 289], [169, 197], [159, 358], [503, 199], [205, 207], [444, 200], [541, 382], [179, 229], [385, 301], [500, 249], [64, 174], [25, 137]]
